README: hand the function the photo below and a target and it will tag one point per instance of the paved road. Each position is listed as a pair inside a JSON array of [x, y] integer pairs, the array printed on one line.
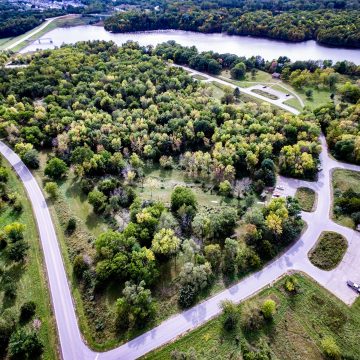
[[295, 258], [247, 91]]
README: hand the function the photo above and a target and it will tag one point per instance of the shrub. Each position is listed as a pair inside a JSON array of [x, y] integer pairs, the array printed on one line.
[[251, 317], [71, 225], [27, 311], [330, 348], [230, 315], [55, 168], [52, 189], [268, 308], [25, 345], [187, 295], [79, 266]]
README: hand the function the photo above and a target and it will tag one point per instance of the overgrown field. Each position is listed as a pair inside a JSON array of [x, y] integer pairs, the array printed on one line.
[[301, 323]]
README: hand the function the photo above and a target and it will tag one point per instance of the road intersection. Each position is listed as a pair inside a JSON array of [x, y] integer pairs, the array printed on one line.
[[295, 258]]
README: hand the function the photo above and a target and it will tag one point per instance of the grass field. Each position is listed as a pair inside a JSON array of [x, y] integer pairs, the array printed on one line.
[[300, 323], [30, 279], [199, 77], [343, 180], [306, 198], [265, 94], [328, 250]]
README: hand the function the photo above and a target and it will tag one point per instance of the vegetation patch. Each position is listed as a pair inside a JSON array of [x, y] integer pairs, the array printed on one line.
[[346, 195], [25, 310], [304, 317], [306, 198], [265, 94], [328, 251]]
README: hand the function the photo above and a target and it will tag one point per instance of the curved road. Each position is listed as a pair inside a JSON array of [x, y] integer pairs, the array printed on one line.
[[295, 258]]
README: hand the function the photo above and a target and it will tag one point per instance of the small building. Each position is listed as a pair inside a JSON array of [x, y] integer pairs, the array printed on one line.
[[276, 75]]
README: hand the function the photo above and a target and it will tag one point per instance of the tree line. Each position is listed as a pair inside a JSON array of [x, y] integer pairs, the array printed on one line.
[[331, 27]]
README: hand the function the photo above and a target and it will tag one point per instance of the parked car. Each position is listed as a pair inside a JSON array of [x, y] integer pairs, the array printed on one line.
[[280, 188], [354, 286]]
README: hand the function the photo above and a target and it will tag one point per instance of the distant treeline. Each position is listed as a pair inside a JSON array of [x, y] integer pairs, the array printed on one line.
[[214, 63], [332, 25]]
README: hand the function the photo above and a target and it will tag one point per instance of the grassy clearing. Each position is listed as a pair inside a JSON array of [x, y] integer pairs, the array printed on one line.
[[306, 198], [343, 180], [328, 251], [30, 279], [301, 321], [160, 183], [293, 102]]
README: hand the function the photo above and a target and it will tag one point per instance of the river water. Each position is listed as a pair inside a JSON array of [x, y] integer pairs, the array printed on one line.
[[222, 43]]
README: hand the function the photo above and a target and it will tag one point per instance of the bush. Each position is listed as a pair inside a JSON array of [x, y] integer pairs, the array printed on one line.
[[27, 311], [187, 296], [79, 266], [18, 250], [55, 168], [330, 348], [230, 315], [52, 189], [71, 225], [180, 196], [268, 308], [10, 290], [31, 159], [252, 319], [25, 345]]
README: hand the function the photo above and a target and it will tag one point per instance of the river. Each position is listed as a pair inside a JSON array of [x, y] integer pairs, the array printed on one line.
[[222, 43]]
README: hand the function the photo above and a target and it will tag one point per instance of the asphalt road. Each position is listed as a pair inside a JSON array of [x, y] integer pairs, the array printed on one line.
[[295, 258]]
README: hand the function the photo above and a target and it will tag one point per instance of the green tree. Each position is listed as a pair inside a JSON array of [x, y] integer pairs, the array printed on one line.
[[225, 188], [15, 231], [17, 251], [52, 189], [231, 315], [25, 344], [165, 243], [180, 196], [55, 168], [27, 311], [268, 308], [350, 92], [213, 255], [98, 200], [238, 71], [135, 307]]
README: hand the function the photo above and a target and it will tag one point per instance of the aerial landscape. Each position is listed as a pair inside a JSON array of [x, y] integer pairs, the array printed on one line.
[[180, 179]]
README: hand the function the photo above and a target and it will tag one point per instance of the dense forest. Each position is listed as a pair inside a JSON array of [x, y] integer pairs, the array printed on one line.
[[106, 114], [331, 27]]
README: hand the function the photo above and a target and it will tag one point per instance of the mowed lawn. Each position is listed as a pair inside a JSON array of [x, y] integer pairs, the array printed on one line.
[[30, 279], [343, 180], [300, 323]]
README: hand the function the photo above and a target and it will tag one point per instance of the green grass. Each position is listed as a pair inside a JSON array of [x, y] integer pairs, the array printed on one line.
[[30, 279], [199, 77], [328, 250], [159, 184], [293, 102], [306, 198], [265, 94], [301, 321], [343, 180]]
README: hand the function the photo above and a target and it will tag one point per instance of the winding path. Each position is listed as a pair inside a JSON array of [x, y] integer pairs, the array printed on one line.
[[295, 258]]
